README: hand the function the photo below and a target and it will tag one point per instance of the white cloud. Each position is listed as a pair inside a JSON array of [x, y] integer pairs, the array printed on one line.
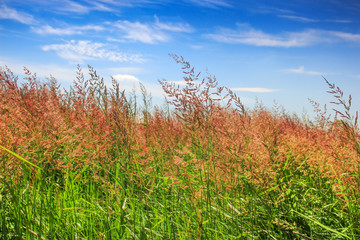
[[301, 70], [256, 90], [211, 3], [74, 30], [250, 36], [84, 6], [267, 9], [173, 27], [339, 21], [310, 20], [125, 78], [150, 33], [9, 13], [351, 37], [141, 32], [73, 7], [101, 5], [255, 37], [78, 51], [298, 18]]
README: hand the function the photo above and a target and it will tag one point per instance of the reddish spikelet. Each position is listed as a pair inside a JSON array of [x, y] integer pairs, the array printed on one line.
[[205, 137], [30, 116], [196, 102]]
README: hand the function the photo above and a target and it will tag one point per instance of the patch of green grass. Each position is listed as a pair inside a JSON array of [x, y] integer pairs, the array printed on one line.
[[298, 206]]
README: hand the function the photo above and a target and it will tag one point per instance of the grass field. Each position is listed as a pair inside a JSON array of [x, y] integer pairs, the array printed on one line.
[[96, 163]]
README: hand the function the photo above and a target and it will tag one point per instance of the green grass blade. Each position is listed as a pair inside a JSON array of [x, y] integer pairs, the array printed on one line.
[[19, 157], [322, 225]]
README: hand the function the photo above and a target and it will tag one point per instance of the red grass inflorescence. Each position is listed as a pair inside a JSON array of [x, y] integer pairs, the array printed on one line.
[[209, 134]]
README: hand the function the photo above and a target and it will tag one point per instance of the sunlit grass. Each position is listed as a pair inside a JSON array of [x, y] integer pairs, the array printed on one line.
[[91, 163]]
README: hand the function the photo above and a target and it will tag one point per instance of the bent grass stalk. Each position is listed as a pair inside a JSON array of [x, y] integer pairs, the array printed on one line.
[[322, 225], [19, 157]]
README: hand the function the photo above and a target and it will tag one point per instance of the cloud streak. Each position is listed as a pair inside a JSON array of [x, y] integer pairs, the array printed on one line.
[[74, 30], [312, 20], [9, 13], [150, 33], [210, 3], [301, 70], [298, 18], [140, 32], [173, 27], [79, 51], [250, 36]]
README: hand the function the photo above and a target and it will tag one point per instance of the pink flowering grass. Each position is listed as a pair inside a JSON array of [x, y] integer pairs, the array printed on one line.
[[91, 162]]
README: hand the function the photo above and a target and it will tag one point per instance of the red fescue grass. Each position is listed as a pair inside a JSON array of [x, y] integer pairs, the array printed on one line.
[[210, 134]]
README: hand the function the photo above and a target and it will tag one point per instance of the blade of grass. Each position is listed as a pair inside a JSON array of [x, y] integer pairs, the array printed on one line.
[[322, 225], [19, 157]]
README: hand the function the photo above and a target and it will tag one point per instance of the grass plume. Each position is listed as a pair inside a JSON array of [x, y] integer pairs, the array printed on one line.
[[202, 167]]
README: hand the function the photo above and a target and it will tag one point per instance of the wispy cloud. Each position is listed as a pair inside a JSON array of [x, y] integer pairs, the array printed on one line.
[[339, 20], [211, 3], [150, 33], [79, 51], [74, 30], [173, 27], [351, 37], [145, 32], [10, 13], [312, 20], [298, 18], [266, 9], [89, 6], [255, 90], [140, 32], [301, 70], [86, 6], [250, 36]]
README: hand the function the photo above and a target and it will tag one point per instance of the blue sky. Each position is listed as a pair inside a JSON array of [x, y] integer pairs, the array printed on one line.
[[265, 50]]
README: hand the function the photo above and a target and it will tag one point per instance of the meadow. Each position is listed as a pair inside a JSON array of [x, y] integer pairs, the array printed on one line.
[[95, 162]]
